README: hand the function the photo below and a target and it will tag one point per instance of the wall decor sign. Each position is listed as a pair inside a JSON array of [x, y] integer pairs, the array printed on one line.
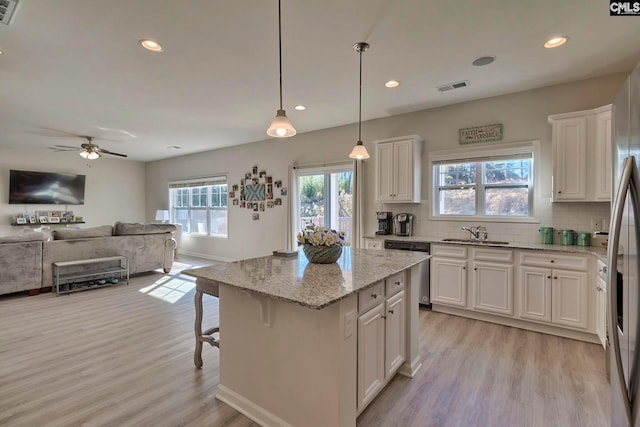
[[256, 192], [483, 133]]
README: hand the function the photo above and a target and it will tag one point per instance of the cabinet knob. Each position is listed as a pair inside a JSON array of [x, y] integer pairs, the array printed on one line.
[[555, 277], [384, 317], [390, 311], [374, 296], [464, 268], [475, 268], [548, 277], [397, 283], [552, 261], [599, 289], [559, 191]]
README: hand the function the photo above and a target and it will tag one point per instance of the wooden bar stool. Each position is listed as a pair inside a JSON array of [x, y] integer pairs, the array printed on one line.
[[209, 288]]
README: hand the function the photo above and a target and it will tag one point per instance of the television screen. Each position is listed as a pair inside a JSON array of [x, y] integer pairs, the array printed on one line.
[[45, 188]]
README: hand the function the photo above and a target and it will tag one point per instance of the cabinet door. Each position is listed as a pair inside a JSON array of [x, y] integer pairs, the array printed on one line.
[[371, 330], [570, 298], [384, 172], [570, 159], [394, 333], [535, 293], [449, 281], [601, 311], [403, 165], [602, 157], [493, 287]]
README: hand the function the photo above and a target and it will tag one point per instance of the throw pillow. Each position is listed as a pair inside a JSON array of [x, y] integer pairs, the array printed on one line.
[[82, 233], [132, 228]]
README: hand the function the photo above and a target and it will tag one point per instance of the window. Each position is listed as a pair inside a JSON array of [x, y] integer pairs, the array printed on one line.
[[200, 206], [498, 186], [325, 198]]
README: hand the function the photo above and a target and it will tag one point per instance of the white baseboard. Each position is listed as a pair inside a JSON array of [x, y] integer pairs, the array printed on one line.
[[410, 369], [249, 409], [205, 256]]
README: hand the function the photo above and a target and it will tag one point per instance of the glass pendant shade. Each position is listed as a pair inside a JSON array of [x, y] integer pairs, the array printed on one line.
[[89, 155], [359, 152], [281, 127], [84, 154]]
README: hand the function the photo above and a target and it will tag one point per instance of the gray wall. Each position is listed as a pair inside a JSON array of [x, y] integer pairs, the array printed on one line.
[[523, 114]]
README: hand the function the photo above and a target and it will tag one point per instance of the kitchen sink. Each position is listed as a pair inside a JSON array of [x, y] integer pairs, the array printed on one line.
[[484, 242]]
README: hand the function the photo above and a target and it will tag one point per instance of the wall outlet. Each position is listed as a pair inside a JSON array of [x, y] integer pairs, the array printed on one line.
[[349, 323], [596, 224]]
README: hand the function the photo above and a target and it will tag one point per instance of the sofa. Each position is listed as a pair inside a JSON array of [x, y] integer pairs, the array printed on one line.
[[147, 246]]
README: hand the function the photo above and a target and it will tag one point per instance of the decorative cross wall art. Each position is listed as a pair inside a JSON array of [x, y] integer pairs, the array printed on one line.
[[257, 192]]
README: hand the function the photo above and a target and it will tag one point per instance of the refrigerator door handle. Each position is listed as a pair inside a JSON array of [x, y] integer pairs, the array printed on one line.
[[629, 182]]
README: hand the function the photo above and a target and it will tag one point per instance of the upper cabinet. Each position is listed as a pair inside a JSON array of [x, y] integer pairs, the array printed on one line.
[[398, 169], [582, 155]]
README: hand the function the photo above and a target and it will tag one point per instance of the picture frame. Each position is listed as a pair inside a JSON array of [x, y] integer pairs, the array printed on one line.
[[235, 202], [234, 187], [21, 220], [54, 219], [247, 175], [283, 191], [78, 219], [262, 174], [278, 202], [278, 183], [43, 219], [256, 217], [254, 170], [32, 219]]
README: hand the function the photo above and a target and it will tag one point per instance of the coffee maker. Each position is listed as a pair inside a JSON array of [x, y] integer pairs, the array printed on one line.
[[403, 224], [385, 223]]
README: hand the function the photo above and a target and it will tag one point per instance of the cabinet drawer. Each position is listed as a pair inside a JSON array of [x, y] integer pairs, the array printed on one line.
[[554, 260], [370, 297], [394, 284], [449, 251], [492, 254]]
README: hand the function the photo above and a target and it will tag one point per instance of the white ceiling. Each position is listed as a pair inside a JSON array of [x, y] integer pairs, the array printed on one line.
[[75, 66]]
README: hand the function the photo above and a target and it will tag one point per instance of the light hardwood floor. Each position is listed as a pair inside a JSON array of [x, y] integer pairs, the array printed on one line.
[[123, 356]]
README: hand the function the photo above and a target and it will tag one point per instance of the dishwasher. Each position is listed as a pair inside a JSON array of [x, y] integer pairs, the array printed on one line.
[[404, 245]]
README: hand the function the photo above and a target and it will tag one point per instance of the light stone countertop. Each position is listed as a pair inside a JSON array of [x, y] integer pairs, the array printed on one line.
[[311, 285], [599, 251]]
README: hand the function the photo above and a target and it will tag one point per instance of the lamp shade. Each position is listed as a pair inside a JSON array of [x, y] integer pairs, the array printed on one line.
[[359, 152], [281, 127], [162, 215]]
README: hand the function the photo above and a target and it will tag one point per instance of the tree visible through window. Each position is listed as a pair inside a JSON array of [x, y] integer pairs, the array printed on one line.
[[496, 187], [325, 199]]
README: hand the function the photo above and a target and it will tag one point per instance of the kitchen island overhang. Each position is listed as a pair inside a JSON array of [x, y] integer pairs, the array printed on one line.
[[289, 333]]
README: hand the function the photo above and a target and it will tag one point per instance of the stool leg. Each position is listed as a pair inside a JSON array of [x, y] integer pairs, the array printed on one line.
[[197, 356]]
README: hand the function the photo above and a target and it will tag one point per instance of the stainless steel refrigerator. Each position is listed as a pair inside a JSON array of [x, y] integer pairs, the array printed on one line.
[[623, 263]]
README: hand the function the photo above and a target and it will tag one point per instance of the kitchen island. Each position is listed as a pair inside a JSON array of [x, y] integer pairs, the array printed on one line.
[[295, 340]]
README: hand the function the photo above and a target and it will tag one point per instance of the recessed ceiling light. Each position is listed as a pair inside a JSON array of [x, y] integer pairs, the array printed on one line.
[[151, 45], [1, 52], [392, 83], [555, 42], [483, 60], [300, 107]]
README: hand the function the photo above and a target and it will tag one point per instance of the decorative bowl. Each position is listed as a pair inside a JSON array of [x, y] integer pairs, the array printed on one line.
[[322, 254]]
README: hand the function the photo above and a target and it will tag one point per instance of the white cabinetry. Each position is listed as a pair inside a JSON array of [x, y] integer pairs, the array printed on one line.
[[554, 288], [492, 281], [381, 336], [601, 305], [449, 275], [398, 169], [582, 155]]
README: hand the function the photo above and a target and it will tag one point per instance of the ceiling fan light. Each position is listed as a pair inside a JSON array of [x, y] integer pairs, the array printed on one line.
[[84, 154], [359, 152], [281, 127], [92, 155]]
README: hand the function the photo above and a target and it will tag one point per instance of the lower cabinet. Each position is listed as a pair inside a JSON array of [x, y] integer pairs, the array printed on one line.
[[449, 275], [551, 294], [492, 280], [381, 337]]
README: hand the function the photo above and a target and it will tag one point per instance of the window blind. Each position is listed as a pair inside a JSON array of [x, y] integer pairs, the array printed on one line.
[[199, 182]]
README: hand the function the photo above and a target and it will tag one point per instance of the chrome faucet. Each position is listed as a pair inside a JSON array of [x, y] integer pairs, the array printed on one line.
[[478, 233]]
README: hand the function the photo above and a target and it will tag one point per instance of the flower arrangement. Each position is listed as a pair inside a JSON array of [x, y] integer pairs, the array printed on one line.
[[319, 236]]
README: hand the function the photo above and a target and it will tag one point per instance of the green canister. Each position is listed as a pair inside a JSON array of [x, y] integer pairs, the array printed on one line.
[[546, 235], [583, 238], [566, 237]]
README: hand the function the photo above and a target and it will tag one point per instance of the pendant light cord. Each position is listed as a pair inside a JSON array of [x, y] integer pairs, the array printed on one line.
[[280, 48], [360, 102]]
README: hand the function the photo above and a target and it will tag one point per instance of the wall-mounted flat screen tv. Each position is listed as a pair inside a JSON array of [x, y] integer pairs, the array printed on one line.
[[46, 188]]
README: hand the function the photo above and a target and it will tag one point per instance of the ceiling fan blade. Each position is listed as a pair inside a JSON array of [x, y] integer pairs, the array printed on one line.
[[102, 150], [65, 146]]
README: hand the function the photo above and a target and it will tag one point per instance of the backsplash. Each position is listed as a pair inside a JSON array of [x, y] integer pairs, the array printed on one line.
[[575, 216]]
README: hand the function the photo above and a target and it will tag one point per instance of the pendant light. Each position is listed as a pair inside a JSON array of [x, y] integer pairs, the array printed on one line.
[[280, 127], [359, 152]]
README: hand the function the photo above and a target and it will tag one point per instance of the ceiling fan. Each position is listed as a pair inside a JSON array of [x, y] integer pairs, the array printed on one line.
[[88, 150]]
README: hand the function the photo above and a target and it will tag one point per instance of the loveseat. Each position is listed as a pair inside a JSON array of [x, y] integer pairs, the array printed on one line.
[[27, 264]]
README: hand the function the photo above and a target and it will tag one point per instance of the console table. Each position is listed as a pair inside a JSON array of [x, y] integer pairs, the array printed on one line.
[[67, 272]]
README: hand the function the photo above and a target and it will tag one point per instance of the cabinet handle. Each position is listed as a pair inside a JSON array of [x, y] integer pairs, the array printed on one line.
[[555, 277], [599, 289], [475, 268], [552, 261], [384, 317], [397, 283], [548, 277], [559, 191], [390, 311], [374, 296], [464, 268]]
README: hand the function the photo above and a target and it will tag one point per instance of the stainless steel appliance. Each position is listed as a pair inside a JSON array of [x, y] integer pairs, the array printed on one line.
[[624, 235], [423, 292], [403, 224], [385, 223]]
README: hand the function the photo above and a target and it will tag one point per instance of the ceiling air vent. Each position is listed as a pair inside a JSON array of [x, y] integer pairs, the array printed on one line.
[[6, 10], [452, 86]]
